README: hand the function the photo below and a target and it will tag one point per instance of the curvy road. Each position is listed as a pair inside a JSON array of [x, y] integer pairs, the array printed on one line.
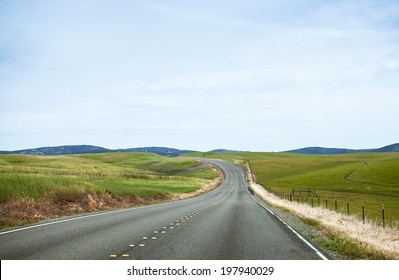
[[226, 223]]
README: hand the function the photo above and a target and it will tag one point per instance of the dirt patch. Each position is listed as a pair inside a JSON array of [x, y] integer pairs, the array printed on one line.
[[201, 166], [22, 211]]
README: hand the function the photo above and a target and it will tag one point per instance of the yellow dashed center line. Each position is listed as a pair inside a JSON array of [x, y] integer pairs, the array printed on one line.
[[177, 223]]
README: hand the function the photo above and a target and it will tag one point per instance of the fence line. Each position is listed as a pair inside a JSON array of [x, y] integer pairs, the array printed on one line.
[[311, 197]]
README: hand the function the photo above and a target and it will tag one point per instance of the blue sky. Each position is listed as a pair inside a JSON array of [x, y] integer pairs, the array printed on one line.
[[248, 75]]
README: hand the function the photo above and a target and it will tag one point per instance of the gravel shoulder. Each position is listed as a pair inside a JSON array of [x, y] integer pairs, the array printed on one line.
[[311, 233]]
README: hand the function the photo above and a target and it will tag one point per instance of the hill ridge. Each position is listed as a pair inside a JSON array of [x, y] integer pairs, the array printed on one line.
[[166, 151], [91, 149], [334, 151]]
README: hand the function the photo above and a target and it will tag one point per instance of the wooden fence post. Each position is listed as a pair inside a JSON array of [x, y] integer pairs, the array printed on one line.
[[347, 206], [383, 215], [363, 211]]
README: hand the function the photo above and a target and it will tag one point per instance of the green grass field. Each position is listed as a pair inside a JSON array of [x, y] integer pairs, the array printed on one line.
[[369, 177], [69, 177]]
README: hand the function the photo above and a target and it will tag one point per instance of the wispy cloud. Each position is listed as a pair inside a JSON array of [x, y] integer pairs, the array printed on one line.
[[145, 67], [191, 15]]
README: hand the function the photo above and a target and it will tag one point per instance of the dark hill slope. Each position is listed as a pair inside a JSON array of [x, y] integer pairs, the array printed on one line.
[[333, 151]]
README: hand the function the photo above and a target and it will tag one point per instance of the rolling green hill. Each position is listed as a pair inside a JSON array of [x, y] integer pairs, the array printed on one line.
[[144, 174], [369, 177], [86, 182]]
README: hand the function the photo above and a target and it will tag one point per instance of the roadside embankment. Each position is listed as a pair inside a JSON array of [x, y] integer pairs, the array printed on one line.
[[350, 237], [24, 210]]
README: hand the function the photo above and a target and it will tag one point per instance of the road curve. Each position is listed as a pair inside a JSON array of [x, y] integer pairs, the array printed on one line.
[[223, 224]]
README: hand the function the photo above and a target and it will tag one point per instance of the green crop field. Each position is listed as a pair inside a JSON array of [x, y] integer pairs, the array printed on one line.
[[69, 177], [372, 178]]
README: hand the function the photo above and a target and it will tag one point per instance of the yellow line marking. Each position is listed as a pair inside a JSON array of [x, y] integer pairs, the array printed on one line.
[[125, 255], [112, 256]]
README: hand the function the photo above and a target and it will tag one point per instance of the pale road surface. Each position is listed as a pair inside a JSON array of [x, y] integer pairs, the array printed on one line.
[[224, 224]]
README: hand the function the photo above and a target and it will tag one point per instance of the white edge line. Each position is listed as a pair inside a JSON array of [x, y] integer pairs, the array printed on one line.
[[86, 216], [293, 230], [75, 218], [156, 205]]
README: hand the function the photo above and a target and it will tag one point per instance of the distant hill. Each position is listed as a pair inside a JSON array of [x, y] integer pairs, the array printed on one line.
[[389, 148], [157, 150], [61, 150], [224, 151], [88, 149], [333, 151], [164, 151]]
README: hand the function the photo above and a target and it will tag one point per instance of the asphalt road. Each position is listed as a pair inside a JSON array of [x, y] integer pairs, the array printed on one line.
[[223, 224]]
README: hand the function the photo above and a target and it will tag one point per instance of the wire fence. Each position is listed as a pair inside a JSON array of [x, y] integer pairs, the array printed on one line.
[[382, 210], [352, 204]]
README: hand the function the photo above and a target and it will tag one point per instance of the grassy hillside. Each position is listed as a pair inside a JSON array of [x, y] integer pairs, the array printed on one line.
[[55, 177], [369, 177], [27, 182]]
